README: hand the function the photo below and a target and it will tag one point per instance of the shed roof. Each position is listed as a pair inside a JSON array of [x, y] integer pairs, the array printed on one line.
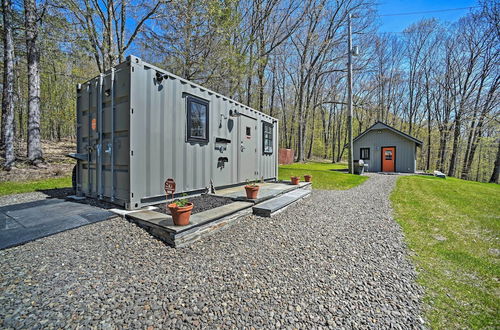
[[381, 125]]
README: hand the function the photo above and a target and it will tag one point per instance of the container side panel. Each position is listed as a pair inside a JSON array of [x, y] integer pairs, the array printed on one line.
[[158, 138]]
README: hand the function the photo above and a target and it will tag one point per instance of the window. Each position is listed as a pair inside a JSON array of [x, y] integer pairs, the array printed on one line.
[[249, 131], [388, 155], [197, 119], [365, 153], [267, 138]]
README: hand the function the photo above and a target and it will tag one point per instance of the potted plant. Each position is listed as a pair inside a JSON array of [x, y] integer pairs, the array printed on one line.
[[295, 180], [252, 189], [181, 211], [308, 177]]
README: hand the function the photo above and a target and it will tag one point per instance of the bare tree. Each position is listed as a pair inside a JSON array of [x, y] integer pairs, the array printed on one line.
[[108, 31], [8, 87], [466, 58], [496, 168], [31, 24]]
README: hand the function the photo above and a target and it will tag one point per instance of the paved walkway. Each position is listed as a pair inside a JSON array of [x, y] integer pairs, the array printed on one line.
[[25, 222], [336, 259]]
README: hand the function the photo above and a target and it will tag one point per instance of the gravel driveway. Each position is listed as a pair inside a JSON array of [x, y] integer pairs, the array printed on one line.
[[335, 259]]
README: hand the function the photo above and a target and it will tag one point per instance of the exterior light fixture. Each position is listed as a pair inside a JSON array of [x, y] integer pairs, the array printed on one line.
[[234, 113], [355, 51]]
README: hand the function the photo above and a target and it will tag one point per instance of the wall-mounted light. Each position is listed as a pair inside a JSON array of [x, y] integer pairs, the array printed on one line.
[[355, 51], [160, 76], [234, 113]]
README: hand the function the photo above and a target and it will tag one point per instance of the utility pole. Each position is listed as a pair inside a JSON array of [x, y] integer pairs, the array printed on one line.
[[349, 92]]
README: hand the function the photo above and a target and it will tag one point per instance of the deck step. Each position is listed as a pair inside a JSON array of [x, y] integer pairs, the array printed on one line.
[[266, 209]]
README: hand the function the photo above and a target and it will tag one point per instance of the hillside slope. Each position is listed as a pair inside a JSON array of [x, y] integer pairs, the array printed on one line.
[[452, 226]]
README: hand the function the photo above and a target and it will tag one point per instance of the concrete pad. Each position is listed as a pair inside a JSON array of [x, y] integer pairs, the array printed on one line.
[[166, 223], [267, 208], [267, 191], [21, 223], [123, 213]]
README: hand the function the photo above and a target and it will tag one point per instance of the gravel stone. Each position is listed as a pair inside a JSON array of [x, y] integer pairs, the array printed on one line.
[[336, 259]]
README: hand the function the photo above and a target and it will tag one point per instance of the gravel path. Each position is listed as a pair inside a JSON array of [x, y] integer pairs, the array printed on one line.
[[335, 259]]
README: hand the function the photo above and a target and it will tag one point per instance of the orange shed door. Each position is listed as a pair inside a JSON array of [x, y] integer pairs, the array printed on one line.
[[388, 159]]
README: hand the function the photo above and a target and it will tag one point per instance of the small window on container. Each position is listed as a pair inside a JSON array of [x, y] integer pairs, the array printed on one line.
[[249, 131], [197, 119], [267, 138], [365, 154]]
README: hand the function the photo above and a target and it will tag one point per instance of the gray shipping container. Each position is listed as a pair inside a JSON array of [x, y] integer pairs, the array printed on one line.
[[138, 125]]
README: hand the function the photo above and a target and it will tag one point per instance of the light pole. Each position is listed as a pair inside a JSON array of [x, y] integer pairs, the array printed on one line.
[[350, 51]]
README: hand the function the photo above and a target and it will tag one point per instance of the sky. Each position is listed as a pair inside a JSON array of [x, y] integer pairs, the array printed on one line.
[[400, 22]]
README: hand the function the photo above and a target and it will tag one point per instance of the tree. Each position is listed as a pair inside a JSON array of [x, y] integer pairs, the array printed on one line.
[[496, 168], [108, 32], [8, 87], [32, 18], [466, 58]]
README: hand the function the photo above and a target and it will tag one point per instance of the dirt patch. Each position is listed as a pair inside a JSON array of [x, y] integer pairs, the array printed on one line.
[[56, 163], [201, 203]]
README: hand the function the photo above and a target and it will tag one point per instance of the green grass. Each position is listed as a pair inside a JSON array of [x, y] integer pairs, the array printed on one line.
[[453, 226], [322, 175], [12, 187]]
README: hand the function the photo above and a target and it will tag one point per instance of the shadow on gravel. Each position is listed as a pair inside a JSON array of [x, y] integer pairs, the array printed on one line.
[[57, 192], [63, 193]]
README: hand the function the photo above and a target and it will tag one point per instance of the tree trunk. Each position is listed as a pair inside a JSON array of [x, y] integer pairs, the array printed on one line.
[[496, 169], [443, 139], [33, 54], [309, 152], [478, 172], [429, 131], [8, 87], [301, 124], [454, 153]]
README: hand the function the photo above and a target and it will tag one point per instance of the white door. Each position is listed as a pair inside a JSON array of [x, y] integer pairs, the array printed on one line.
[[248, 149]]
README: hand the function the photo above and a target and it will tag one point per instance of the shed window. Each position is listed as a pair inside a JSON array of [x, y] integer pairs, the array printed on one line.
[[197, 119], [364, 153], [267, 138]]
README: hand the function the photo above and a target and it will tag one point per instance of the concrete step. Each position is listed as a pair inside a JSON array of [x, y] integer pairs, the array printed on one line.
[[268, 191], [267, 208]]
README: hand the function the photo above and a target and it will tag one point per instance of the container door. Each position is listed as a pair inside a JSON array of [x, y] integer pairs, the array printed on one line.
[[87, 138], [248, 149], [388, 159]]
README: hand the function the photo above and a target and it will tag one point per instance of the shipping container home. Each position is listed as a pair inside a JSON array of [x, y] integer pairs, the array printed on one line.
[[138, 125], [386, 149]]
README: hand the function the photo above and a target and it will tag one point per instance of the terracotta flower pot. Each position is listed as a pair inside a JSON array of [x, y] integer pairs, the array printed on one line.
[[252, 191], [295, 180], [180, 215], [308, 178]]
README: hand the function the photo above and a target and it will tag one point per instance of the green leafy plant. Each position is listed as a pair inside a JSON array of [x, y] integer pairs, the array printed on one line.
[[252, 183], [182, 202]]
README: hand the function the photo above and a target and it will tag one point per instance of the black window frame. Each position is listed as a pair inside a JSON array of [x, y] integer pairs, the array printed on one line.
[[361, 153], [193, 99], [271, 126]]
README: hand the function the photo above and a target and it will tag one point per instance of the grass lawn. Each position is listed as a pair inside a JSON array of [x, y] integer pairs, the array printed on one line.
[[323, 176], [454, 227], [12, 187]]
